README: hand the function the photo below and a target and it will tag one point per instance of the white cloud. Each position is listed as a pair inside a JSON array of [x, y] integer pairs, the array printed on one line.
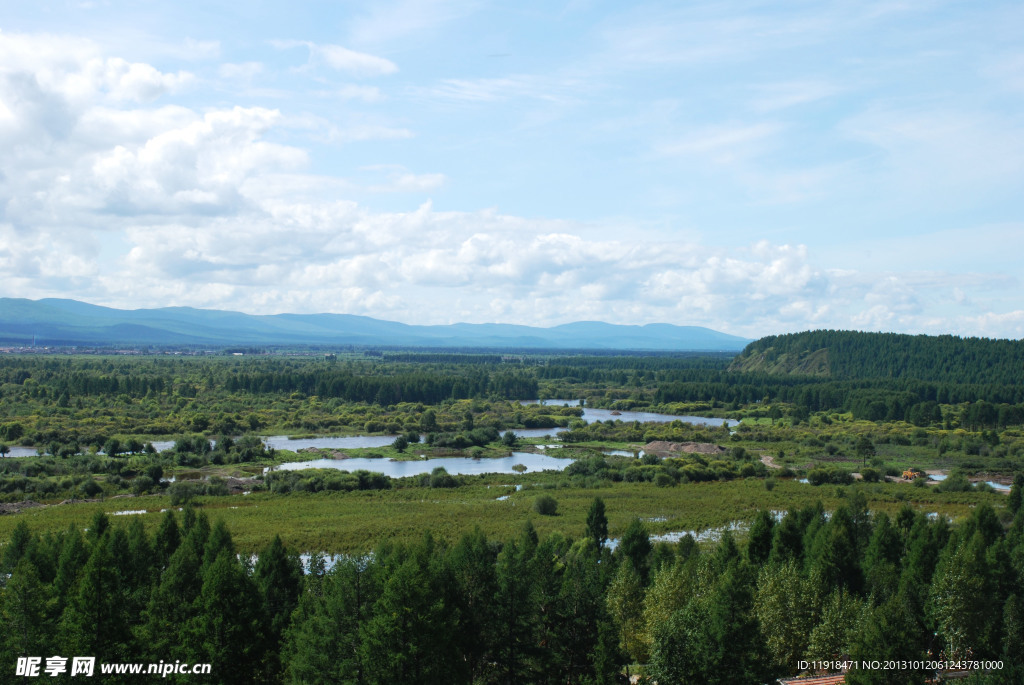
[[770, 97], [352, 134], [354, 92], [515, 87], [410, 183], [341, 58], [405, 19], [201, 49], [358, 63], [725, 144], [943, 153], [242, 71]]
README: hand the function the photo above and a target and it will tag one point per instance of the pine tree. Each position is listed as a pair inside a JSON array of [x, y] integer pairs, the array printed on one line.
[[96, 621], [28, 628], [225, 629], [324, 639], [409, 637], [597, 523], [635, 547], [168, 537], [882, 560], [471, 565], [21, 536], [172, 606], [514, 601], [278, 579], [759, 545]]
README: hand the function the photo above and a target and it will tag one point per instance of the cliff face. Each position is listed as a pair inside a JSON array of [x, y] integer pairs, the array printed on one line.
[[804, 363]]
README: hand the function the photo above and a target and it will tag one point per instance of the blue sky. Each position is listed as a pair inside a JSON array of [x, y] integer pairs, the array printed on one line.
[[752, 167]]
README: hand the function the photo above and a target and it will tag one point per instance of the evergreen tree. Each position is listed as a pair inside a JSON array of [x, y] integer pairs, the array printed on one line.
[[168, 537], [787, 539], [172, 606], [514, 602], [635, 546], [887, 632], [961, 601], [225, 629], [597, 523], [581, 649], [278, 580], [759, 545], [96, 622], [1013, 638], [27, 625], [830, 637], [882, 559], [324, 640], [409, 637], [73, 556], [471, 564], [21, 536]]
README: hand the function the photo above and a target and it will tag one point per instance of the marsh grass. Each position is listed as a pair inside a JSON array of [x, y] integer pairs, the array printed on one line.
[[358, 521]]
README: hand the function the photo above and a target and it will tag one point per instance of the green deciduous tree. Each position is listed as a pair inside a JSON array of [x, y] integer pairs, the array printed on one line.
[[783, 607]]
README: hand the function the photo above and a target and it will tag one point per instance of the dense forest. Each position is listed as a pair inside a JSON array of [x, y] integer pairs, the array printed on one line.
[[853, 355], [86, 400], [808, 585]]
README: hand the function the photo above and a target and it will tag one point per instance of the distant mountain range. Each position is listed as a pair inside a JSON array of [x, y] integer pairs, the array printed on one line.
[[57, 322]]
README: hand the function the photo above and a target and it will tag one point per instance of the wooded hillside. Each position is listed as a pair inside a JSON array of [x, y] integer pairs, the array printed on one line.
[[852, 355]]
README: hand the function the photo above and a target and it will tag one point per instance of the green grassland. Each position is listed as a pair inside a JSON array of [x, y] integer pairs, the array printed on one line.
[[358, 521]]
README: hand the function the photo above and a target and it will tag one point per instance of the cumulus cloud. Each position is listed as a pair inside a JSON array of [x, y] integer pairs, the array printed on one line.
[[200, 166]]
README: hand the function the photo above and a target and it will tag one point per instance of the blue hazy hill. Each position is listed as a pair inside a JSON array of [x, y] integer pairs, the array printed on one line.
[[70, 322]]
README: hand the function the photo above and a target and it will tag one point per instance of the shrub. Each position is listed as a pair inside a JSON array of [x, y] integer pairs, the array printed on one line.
[[546, 505], [440, 478], [182, 492], [90, 488], [823, 476], [217, 487], [870, 475], [663, 480], [142, 485], [954, 483]]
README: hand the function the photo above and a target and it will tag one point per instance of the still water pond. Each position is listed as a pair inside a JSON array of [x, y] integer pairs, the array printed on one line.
[[283, 442], [461, 466], [590, 415]]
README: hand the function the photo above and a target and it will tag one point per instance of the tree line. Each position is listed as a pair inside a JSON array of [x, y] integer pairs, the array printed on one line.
[[806, 585]]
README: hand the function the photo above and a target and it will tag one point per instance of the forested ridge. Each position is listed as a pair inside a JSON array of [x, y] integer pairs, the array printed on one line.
[[810, 585], [853, 355]]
